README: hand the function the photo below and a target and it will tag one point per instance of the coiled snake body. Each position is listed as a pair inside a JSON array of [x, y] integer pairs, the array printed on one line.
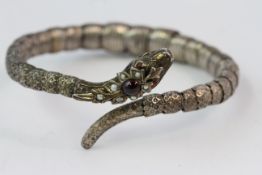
[[139, 77]]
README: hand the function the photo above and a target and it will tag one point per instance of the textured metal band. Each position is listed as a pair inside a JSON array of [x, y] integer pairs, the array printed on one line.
[[118, 37]]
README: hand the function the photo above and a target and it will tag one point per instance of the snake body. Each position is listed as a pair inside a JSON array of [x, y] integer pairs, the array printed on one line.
[[139, 77]]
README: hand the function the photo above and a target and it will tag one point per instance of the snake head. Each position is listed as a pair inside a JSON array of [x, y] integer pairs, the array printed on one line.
[[140, 76], [153, 65]]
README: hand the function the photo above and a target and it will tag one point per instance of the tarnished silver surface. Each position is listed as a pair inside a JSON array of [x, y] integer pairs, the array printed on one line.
[[140, 76], [177, 46], [113, 37], [110, 119], [160, 38], [57, 39], [153, 104], [44, 42], [226, 86], [191, 52], [231, 76], [73, 37], [189, 102], [92, 36], [216, 91], [172, 102], [137, 39], [213, 64], [203, 95], [203, 56]]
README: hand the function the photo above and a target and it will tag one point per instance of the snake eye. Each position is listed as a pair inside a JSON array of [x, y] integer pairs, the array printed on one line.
[[131, 87]]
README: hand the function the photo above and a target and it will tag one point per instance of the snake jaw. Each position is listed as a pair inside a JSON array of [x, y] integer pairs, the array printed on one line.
[[140, 76]]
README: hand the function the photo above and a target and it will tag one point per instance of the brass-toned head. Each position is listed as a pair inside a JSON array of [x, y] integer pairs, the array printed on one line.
[[140, 76]]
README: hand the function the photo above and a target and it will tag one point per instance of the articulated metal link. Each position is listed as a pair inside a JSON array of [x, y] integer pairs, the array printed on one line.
[[139, 77]]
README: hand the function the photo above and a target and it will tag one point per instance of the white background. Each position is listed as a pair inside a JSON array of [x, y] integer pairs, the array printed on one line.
[[40, 133]]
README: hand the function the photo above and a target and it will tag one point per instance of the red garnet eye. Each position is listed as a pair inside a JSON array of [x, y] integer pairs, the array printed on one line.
[[131, 87]]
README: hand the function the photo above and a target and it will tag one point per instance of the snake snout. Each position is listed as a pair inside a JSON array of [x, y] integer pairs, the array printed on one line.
[[163, 58]]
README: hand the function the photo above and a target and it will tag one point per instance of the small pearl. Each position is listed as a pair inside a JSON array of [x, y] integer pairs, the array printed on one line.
[[133, 97], [113, 87], [120, 99], [145, 87], [137, 74], [122, 76], [100, 97]]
